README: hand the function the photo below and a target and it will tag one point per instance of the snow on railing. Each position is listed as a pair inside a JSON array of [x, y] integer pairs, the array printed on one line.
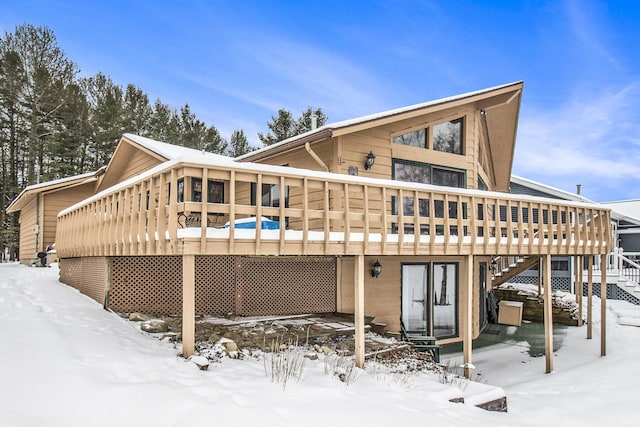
[[322, 214]]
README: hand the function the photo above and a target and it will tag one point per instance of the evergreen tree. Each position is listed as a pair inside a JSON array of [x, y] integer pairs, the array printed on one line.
[[280, 128], [137, 111], [304, 123], [47, 73], [107, 117], [285, 126], [238, 143]]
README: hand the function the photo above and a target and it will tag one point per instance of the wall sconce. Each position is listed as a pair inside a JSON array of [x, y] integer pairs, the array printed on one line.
[[376, 269], [368, 162]]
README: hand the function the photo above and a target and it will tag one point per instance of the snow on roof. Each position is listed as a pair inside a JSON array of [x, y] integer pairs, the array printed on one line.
[[562, 194], [59, 181], [50, 184], [629, 208], [195, 157], [171, 151], [376, 116], [632, 216]]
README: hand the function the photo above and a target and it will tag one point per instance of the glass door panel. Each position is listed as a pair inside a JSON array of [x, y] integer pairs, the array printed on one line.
[[415, 297]]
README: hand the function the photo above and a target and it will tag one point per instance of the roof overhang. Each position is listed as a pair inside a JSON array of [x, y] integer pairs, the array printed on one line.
[[500, 108], [30, 192]]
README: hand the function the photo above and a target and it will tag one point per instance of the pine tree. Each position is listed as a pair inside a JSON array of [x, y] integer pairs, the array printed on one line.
[[304, 123], [285, 126], [47, 74], [280, 128], [137, 111], [238, 143], [106, 119]]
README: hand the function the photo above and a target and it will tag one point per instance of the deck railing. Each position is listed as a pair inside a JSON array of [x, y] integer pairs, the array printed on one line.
[[161, 213]]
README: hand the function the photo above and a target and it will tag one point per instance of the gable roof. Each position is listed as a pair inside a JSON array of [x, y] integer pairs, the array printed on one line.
[[500, 104], [157, 151], [30, 192], [166, 150]]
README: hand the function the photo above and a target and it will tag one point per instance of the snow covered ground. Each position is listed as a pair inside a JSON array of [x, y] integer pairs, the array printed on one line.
[[64, 361]]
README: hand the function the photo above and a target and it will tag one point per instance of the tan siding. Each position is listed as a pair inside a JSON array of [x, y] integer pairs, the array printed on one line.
[[57, 201], [27, 236], [130, 162], [383, 295]]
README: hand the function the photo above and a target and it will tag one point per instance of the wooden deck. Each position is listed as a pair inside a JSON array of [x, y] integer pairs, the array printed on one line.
[[327, 214]]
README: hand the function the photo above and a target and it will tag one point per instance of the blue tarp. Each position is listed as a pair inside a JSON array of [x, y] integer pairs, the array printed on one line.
[[250, 223]]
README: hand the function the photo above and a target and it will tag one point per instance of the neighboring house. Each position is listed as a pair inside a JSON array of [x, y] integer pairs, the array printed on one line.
[[39, 205], [625, 222], [395, 215]]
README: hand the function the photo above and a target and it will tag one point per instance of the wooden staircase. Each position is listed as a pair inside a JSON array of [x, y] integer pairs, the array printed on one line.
[[506, 268], [421, 342]]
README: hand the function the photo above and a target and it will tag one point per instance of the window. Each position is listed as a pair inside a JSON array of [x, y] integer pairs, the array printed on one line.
[[215, 191], [417, 138], [481, 185], [181, 190], [270, 196], [445, 300], [447, 137], [407, 171], [447, 177]]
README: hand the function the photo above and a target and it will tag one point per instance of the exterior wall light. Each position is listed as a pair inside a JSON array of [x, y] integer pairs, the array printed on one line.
[[376, 269], [369, 161]]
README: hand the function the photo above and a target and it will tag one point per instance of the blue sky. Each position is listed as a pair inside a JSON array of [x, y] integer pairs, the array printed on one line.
[[237, 62]]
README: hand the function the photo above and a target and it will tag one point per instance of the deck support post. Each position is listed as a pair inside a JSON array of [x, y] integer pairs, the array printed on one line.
[[467, 339], [603, 305], [548, 315], [589, 297], [188, 305], [358, 292], [578, 287]]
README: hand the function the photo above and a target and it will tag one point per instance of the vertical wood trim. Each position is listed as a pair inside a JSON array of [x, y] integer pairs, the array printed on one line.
[[486, 234], [283, 218], [416, 222], [590, 296], [259, 213], [151, 221], [140, 244], [347, 219], [467, 340], [548, 315], [460, 222], [188, 305], [305, 215], [473, 211], [162, 214], [232, 211], [400, 212], [447, 230], [603, 305], [327, 220], [530, 233], [509, 226], [365, 240], [173, 213], [432, 223], [520, 227], [384, 219], [358, 292], [204, 214]]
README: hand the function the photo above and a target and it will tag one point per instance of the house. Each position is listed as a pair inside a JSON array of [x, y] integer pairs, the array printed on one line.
[[395, 215], [39, 205], [623, 278]]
